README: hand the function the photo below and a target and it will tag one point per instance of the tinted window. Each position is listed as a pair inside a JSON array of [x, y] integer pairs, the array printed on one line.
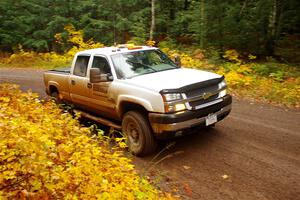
[[81, 65], [102, 64]]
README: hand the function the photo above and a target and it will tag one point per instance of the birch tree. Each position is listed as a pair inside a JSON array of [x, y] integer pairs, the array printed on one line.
[[152, 28]]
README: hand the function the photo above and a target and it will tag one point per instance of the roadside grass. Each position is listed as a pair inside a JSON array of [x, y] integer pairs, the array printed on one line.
[[46, 154], [31, 59]]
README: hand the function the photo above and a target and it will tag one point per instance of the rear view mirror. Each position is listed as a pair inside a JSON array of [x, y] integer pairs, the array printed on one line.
[[177, 61], [97, 77]]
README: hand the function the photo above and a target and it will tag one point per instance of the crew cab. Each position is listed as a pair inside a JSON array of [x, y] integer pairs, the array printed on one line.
[[141, 91]]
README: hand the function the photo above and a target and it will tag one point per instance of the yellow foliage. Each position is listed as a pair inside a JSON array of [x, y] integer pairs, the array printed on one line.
[[76, 39], [58, 38], [234, 79], [251, 57], [52, 59], [150, 43], [186, 60], [244, 69], [232, 55], [46, 154]]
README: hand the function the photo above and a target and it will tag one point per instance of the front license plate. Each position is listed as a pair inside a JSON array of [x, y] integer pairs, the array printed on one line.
[[211, 119]]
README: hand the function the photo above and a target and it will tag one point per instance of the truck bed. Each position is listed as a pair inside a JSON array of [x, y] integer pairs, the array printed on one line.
[[62, 70], [59, 78]]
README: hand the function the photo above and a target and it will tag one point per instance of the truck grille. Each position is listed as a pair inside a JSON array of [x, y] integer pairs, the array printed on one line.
[[194, 104], [202, 95]]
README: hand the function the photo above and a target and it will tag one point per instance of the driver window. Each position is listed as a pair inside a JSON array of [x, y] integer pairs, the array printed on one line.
[[102, 64]]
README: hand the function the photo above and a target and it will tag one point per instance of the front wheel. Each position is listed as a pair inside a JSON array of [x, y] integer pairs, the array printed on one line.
[[140, 138]]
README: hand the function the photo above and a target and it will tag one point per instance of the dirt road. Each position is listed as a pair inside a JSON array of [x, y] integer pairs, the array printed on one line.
[[253, 154]]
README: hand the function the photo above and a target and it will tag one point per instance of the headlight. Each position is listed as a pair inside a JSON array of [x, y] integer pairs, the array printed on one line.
[[173, 103], [172, 96], [222, 84]]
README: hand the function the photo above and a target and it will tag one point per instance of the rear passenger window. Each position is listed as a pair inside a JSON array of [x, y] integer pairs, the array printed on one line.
[[81, 65]]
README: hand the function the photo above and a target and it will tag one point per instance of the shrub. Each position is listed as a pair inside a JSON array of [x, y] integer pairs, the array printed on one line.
[[46, 154]]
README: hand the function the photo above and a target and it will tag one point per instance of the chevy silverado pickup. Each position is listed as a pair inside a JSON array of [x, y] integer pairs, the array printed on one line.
[[141, 91]]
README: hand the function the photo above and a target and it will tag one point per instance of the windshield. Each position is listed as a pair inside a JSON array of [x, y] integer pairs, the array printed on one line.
[[136, 63]]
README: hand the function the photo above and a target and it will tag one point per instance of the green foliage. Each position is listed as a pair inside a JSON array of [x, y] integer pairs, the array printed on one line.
[[46, 154], [262, 27], [74, 39]]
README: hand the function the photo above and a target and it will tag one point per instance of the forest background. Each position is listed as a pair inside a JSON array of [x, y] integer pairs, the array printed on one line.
[[254, 43]]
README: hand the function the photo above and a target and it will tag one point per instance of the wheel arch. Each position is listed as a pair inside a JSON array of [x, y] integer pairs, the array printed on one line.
[[53, 88], [128, 102], [126, 106]]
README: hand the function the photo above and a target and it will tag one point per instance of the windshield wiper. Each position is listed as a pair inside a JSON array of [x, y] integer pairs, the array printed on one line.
[[143, 65]]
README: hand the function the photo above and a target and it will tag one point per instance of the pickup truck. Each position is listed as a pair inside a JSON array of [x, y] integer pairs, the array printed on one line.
[[141, 91]]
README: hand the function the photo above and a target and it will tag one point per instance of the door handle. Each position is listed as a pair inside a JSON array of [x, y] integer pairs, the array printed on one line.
[[89, 85], [73, 82]]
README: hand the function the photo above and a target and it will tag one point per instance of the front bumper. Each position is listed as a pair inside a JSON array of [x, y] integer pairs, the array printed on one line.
[[166, 123]]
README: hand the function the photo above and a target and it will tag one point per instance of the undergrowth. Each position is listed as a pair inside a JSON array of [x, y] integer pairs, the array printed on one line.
[[271, 82], [46, 154]]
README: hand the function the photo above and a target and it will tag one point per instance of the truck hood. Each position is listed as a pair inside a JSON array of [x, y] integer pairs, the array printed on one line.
[[171, 79]]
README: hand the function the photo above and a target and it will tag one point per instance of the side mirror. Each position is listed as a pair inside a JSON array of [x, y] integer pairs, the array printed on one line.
[[178, 60], [97, 77]]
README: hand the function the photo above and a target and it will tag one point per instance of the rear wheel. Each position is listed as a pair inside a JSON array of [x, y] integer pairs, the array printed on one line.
[[55, 97], [140, 138]]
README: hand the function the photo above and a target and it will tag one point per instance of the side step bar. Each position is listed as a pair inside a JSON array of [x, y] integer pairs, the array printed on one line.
[[99, 119]]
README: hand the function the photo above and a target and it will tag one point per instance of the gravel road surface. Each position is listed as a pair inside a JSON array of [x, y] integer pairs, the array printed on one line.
[[252, 154]]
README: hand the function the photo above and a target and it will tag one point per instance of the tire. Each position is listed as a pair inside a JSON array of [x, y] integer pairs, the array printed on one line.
[[140, 139], [55, 97]]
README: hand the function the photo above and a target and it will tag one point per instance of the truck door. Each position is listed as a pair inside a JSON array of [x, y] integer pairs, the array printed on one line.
[[79, 87], [99, 93]]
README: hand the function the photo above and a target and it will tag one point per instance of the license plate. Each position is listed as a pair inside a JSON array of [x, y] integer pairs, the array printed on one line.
[[211, 119]]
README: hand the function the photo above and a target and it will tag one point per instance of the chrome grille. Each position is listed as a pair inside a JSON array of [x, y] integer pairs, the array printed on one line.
[[203, 101], [202, 95], [200, 91]]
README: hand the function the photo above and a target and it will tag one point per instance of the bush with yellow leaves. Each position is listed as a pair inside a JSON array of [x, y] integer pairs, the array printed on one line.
[[186, 60], [47, 154], [274, 83]]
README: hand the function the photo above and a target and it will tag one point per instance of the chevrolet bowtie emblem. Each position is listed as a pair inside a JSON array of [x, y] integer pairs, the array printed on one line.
[[206, 95]]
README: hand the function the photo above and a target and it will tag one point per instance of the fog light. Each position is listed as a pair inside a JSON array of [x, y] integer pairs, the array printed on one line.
[[179, 107], [175, 108], [222, 93]]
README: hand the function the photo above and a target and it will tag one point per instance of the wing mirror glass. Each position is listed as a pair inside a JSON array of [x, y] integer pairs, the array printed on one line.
[[97, 77], [177, 60]]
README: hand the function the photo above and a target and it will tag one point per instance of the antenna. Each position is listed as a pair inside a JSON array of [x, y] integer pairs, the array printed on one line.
[[115, 43]]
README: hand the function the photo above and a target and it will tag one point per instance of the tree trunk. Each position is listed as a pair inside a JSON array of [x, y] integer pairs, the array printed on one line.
[[202, 20], [152, 28], [186, 4], [270, 43]]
